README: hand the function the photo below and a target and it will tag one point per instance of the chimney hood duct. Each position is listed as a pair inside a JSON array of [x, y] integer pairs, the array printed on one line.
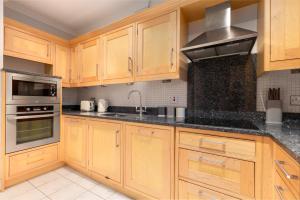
[[220, 39]]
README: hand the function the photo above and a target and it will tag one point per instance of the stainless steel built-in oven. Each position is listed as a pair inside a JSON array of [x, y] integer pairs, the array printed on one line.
[[30, 126], [31, 89]]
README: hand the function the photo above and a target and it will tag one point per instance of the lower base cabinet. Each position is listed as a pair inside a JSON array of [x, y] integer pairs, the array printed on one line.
[[26, 164], [188, 191], [137, 159], [75, 142], [149, 161], [105, 149]]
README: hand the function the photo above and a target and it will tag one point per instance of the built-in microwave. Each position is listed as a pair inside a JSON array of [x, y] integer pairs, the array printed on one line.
[[32, 89]]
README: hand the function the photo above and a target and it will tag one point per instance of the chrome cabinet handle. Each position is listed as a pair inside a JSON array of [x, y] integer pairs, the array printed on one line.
[[279, 191], [130, 63], [34, 116], [117, 138], [201, 193], [280, 164], [202, 140], [220, 163], [171, 58]]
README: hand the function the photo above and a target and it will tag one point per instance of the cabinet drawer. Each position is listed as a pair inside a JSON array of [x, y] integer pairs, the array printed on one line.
[[237, 148], [27, 46], [288, 168], [227, 173], [26, 161], [188, 191], [282, 192]]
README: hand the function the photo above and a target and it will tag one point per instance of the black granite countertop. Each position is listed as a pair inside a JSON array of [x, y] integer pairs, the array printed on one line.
[[287, 136]]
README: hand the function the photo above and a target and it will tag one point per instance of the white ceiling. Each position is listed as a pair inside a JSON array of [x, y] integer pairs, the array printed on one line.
[[75, 17]]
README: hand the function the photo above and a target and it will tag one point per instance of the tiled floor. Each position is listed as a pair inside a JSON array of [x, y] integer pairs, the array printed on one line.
[[61, 184]]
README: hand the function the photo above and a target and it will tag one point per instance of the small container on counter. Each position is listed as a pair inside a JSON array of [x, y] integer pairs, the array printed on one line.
[[170, 112], [180, 112]]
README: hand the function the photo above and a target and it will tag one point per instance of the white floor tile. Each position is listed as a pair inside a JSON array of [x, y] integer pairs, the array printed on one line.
[[16, 190], [61, 184], [30, 195], [102, 191], [119, 196], [88, 196], [45, 178], [64, 171], [69, 192], [54, 185], [85, 182]]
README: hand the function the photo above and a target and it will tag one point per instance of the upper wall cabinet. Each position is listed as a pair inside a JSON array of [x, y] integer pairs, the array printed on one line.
[[22, 44], [89, 66], [118, 56], [74, 66], [157, 48], [62, 63], [279, 35]]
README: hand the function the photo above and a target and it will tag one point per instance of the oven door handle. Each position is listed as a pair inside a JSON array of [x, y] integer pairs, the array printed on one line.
[[33, 116]]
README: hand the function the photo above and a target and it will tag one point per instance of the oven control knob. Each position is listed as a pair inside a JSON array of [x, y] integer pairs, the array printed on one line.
[[27, 109], [45, 108]]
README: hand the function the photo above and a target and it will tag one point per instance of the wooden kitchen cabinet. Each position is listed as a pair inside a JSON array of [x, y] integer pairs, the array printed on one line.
[[156, 47], [279, 35], [149, 160], [62, 63], [118, 56], [75, 141], [74, 66], [26, 45], [105, 143], [23, 165], [89, 62]]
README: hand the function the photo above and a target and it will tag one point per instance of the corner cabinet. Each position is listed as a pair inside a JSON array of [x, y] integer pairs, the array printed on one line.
[[89, 62], [149, 160], [157, 47], [279, 35], [75, 142], [105, 150], [118, 56], [62, 63]]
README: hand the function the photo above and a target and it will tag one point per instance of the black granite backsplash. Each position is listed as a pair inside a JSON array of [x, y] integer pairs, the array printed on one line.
[[222, 84]]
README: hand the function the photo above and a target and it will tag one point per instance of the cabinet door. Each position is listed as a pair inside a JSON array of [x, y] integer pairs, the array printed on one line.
[[75, 62], [118, 56], [157, 46], [148, 161], [285, 30], [105, 149], [75, 133], [23, 45], [62, 63], [89, 61]]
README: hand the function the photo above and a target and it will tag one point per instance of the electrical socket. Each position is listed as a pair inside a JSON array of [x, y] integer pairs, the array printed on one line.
[[295, 100], [173, 99]]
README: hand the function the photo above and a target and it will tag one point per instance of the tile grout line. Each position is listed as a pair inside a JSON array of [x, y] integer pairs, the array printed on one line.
[[45, 196]]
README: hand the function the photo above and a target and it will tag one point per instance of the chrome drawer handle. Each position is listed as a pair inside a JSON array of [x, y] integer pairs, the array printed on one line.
[[280, 164], [214, 162], [279, 191], [202, 140]]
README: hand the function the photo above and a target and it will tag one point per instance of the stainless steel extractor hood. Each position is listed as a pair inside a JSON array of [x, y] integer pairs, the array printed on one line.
[[220, 39]]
